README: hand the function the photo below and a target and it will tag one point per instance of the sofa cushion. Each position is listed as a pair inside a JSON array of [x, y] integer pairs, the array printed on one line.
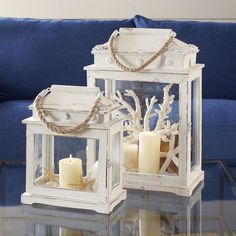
[[218, 127], [12, 184], [12, 132], [37, 53], [217, 44]]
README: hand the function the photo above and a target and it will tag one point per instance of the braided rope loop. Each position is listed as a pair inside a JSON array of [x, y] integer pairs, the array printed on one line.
[[163, 49], [62, 130]]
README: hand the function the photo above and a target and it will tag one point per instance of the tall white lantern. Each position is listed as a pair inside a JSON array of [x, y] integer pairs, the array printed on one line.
[[74, 150], [160, 88]]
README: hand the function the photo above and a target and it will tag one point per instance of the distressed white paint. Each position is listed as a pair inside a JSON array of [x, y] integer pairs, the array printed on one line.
[[136, 46], [105, 198], [181, 73]]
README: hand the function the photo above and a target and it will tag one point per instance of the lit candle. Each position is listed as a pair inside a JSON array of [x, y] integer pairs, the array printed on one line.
[[130, 156], [70, 172], [149, 152]]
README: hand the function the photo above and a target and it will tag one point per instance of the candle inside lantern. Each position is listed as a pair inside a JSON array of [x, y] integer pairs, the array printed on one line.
[[130, 156], [70, 172], [149, 152]]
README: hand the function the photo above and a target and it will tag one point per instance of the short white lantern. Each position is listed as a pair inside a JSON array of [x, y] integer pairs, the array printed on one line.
[[74, 150], [157, 77]]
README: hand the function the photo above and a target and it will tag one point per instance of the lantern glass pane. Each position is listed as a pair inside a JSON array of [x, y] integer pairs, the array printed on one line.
[[116, 154], [145, 90], [101, 84], [66, 162]]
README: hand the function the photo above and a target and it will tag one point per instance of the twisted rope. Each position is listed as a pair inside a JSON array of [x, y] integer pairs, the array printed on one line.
[[61, 130], [141, 67]]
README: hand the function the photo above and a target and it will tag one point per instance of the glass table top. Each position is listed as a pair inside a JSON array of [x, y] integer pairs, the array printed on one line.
[[211, 210]]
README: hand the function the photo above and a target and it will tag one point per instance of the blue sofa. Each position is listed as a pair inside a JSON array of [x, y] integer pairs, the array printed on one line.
[[37, 53]]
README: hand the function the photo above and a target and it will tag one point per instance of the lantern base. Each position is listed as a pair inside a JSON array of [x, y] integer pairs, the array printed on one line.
[[104, 208], [162, 183]]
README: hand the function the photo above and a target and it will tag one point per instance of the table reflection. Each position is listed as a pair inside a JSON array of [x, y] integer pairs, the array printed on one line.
[[210, 211], [142, 214], [154, 213]]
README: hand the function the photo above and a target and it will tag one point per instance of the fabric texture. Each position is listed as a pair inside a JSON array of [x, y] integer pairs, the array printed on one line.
[[12, 131], [35, 54], [12, 184], [217, 44]]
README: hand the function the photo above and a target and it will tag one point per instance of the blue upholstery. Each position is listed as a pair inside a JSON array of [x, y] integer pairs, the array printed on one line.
[[37, 53], [217, 44], [12, 184], [12, 132]]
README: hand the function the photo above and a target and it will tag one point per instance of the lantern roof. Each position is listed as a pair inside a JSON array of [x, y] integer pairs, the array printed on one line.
[[145, 40], [75, 99], [158, 49], [67, 105]]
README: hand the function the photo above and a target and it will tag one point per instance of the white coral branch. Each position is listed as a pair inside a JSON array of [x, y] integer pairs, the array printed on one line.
[[149, 106], [137, 113], [126, 105], [169, 130], [133, 124], [165, 108]]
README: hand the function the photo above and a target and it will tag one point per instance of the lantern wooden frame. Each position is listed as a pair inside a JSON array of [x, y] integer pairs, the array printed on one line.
[[107, 196], [188, 179], [189, 79]]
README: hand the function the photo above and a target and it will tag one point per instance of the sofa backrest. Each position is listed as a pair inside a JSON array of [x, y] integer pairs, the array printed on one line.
[[217, 44], [37, 53]]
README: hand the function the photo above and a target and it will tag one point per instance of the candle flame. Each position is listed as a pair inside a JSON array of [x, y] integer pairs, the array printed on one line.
[[70, 158]]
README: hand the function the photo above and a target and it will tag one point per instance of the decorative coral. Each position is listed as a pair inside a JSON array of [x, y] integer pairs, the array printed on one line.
[[165, 108], [149, 106], [133, 123], [169, 132]]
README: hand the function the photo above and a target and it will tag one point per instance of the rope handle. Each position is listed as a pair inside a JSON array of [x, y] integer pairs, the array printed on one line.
[[141, 67], [61, 130]]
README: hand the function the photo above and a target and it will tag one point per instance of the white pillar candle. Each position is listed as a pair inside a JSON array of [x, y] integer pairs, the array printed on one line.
[[149, 152], [70, 172], [130, 156]]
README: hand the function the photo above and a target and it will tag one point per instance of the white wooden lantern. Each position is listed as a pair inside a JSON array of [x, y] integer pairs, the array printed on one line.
[[148, 62], [91, 177]]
